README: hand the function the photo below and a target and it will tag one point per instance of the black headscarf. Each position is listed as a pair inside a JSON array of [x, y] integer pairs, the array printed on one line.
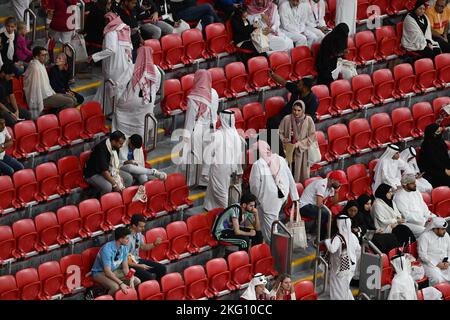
[[350, 203], [381, 193], [364, 218], [362, 200], [421, 21]]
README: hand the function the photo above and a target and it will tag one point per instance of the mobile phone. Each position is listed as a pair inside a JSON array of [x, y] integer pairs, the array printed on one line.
[[445, 260]]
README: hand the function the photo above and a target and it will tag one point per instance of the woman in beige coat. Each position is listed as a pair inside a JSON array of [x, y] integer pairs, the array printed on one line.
[[297, 131]]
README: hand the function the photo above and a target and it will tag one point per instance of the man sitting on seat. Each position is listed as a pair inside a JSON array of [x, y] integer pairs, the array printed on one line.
[[239, 224]]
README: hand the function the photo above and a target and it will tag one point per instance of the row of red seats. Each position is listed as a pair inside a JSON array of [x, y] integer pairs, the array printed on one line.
[[90, 218], [51, 131]]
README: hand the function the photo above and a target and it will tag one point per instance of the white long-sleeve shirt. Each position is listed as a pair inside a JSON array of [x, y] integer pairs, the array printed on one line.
[[412, 207], [433, 249], [315, 13], [293, 19]]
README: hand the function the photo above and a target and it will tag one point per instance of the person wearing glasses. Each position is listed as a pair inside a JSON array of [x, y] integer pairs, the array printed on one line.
[[111, 269], [145, 269]]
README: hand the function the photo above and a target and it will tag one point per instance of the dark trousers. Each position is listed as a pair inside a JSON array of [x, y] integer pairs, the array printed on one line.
[[156, 272], [9, 119], [9, 165], [204, 12], [429, 53], [79, 97], [445, 46], [243, 242], [312, 211]]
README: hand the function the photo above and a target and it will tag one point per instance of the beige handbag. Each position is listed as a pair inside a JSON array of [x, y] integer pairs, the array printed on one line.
[[297, 228], [289, 149], [260, 41]]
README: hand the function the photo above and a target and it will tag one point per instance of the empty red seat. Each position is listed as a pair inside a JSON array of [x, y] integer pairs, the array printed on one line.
[[438, 103], [363, 90], [70, 222], [404, 79], [173, 97], [366, 46], [196, 283], [26, 237], [71, 124], [444, 288], [113, 208], [8, 288], [173, 287], [27, 138], [442, 63], [219, 277], [338, 141], [360, 134], [381, 125], [19, 94], [88, 257], [157, 51], [92, 216], [28, 284], [258, 73], [387, 41], [157, 198], [187, 82], [262, 260], [161, 251], [180, 239], [71, 173], [93, 119], [254, 116], [423, 116], [149, 290], [273, 106], [425, 74], [237, 79], [427, 199], [48, 180], [280, 63], [441, 201], [173, 50], [7, 243], [131, 295], [132, 207], [27, 189], [219, 82], [351, 50], [323, 94], [51, 278], [195, 47], [200, 232], [402, 123], [302, 62], [304, 290], [323, 144], [384, 85], [49, 132], [216, 39], [177, 190], [240, 268], [7, 193], [342, 95], [361, 13], [358, 180], [71, 267], [372, 165], [48, 229]]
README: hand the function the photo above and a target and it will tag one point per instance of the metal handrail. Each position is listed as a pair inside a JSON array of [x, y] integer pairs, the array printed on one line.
[[146, 131], [161, 85], [272, 243], [113, 85], [325, 276], [74, 56], [82, 13], [318, 242], [33, 18]]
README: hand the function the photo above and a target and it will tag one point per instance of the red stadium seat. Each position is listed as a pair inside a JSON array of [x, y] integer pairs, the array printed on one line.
[[93, 119], [161, 251], [130, 295], [425, 74], [384, 85], [273, 106], [402, 123], [71, 124], [70, 222], [351, 50], [200, 232], [381, 125], [338, 141], [288, 206], [7, 243], [52, 279], [157, 51], [372, 165], [173, 50], [219, 82], [427, 199], [262, 260], [254, 116], [149, 290], [366, 45], [216, 39], [26, 237], [49, 132], [27, 189], [323, 94], [386, 271], [8, 288], [258, 73], [237, 78], [18, 92], [180, 240], [196, 283], [28, 284], [444, 288], [304, 290], [442, 63], [71, 266], [323, 144], [361, 13], [195, 47], [302, 62], [157, 198], [105, 297], [84, 157], [219, 276], [438, 103], [387, 42], [423, 116], [132, 207], [27, 138], [48, 180], [177, 190], [92, 216], [48, 229], [358, 180], [187, 82], [113, 208], [396, 6], [330, 13], [173, 287], [71, 173], [239, 122], [7, 194], [363, 91], [360, 134], [88, 257], [280, 63], [441, 201], [240, 268], [404, 80], [342, 95], [173, 97]]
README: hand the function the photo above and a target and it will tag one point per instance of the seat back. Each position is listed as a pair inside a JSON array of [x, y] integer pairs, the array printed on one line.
[[216, 38], [173, 286], [302, 61], [48, 228], [49, 130]]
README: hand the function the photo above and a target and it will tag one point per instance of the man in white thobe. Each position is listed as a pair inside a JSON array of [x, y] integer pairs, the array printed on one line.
[[226, 150], [19, 7], [389, 169], [403, 286], [346, 12], [434, 251], [409, 156], [316, 27], [410, 203], [293, 21]]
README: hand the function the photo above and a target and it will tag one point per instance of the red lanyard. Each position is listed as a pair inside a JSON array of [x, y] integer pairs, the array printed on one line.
[[318, 11]]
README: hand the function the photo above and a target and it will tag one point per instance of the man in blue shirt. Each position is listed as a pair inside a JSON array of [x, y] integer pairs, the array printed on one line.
[[110, 268]]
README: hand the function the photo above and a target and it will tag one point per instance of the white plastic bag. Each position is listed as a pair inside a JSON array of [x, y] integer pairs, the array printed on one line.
[[297, 228], [183, 26], [345, 68], [79, 45], [260, 41], [314, 154]]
